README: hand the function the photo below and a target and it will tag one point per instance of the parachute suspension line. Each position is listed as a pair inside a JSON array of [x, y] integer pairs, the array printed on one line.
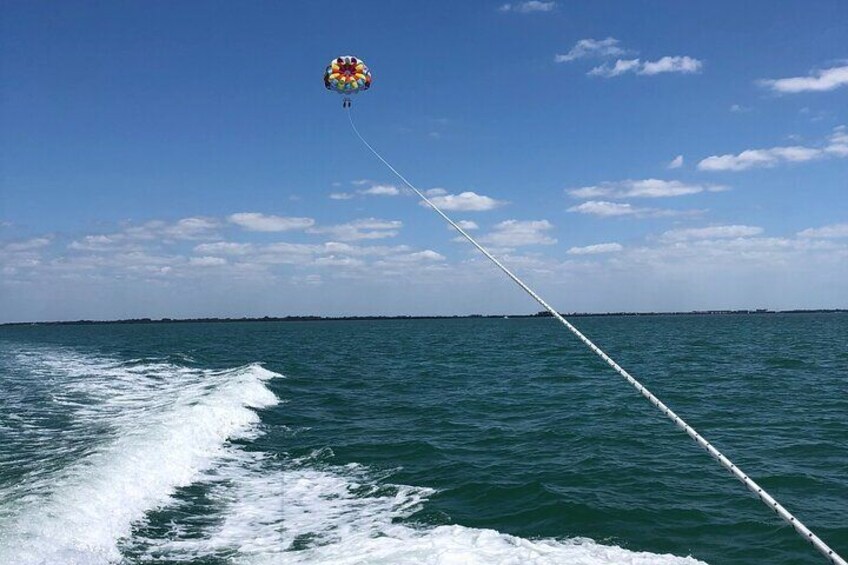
[[752, 486]]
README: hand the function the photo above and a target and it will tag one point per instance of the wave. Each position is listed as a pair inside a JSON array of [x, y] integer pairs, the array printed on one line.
[[163, 426]]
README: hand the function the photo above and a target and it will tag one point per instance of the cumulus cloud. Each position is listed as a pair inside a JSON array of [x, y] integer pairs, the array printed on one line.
[[373, 190], [676, 163], [644, 188], [27, 245], [620, 67], [187, 228], [467, 225], [428, 255], [254, 221], [465, 202], [606, 209], [831, 231], [596, 249], [711, 232], [528, 7], [751, 158], [207, 261], [368, 228], [816, 81], [592, 48], [380, 190], [132, 236], [838, 142], [98, 242], [516, 233], [836, 146], [224, 248], [668, 64]]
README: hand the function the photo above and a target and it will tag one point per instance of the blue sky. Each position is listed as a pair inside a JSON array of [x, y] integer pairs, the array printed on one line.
[[184, 159]]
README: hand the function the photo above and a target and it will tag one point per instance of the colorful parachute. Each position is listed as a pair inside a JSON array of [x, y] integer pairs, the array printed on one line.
[[347, 75]]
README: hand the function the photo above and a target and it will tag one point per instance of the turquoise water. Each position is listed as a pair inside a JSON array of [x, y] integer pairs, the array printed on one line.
[[421, 441]]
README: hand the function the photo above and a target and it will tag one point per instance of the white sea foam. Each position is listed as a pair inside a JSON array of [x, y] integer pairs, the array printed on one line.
[[305, 514], [342, 520], [167, 425]]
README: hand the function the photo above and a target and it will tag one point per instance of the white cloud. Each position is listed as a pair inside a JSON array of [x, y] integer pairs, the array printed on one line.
[[620, 67], [254, 221], [676, 163], [435, 192], [134, 236], [224, 248], [668, 64], [98, 242], [751, 158], [428, 255], [186, 228], [333, 261], [604, 209], [28, 245], [191, 228], [827, 232], [837, 146], [738, 108], [207, 261], [465, 202], [528, 7], [368, 228], [671, 65], [711, 232], [467, 225], [381, 190], [376, 224], [340, 196], [817, 81], [585, 48], [838, 142], [337, 247], [515, 233], [644, 188], [596, 249]]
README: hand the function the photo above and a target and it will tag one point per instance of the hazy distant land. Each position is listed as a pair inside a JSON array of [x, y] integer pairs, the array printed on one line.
[[542, 314]]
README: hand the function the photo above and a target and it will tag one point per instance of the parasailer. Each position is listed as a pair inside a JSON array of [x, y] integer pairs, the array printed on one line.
[[347, 75]]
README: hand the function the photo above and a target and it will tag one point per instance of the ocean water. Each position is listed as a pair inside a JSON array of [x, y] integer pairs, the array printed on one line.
[[424, 441]]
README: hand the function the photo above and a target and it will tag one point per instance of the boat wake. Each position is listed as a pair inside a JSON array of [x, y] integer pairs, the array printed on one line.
[[134, 432]]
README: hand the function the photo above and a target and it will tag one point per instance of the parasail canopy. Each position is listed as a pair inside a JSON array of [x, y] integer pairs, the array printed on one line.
[[347, 75]]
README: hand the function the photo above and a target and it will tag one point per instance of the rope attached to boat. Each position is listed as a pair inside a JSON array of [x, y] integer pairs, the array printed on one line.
[[749, 483]]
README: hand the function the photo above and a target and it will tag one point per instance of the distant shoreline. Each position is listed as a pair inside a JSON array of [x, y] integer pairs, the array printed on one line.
[[456, 317]]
